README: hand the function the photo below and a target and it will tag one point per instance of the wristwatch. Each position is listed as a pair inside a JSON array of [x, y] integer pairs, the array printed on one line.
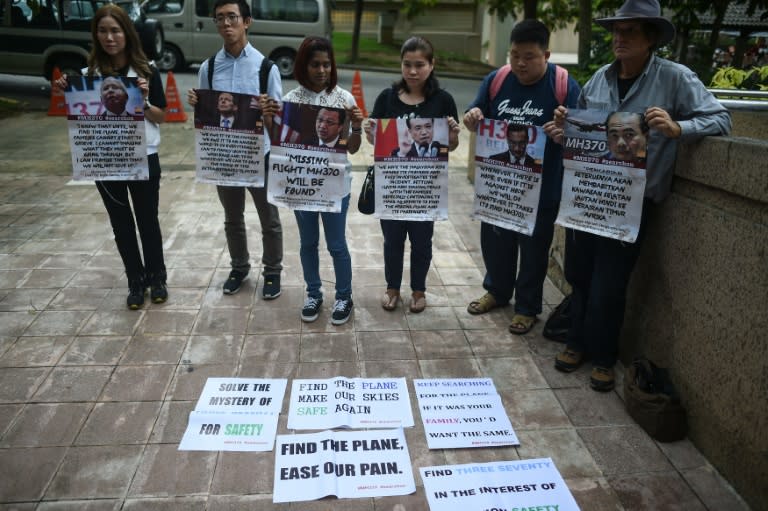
[[147, 104]]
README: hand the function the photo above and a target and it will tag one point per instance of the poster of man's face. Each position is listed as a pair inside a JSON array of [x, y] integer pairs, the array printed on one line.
[[313, 126], [627, 136], [510, 143], [108, 96], [415, 137], [227, 110]]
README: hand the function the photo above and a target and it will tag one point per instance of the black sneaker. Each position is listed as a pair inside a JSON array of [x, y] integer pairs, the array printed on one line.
[[311, 309], [136, 290], [234, 281], [342, 310], [158, 292], [271, 287]]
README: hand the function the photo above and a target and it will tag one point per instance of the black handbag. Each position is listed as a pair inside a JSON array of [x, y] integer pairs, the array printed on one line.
[[365, 202], [652, 401]]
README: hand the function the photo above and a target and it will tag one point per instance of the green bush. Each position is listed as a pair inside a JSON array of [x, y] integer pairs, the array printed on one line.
[[744, 79]]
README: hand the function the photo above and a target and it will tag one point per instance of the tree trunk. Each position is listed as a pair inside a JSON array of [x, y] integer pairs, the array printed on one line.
[[585, 31], [529, 9], [356, 31]]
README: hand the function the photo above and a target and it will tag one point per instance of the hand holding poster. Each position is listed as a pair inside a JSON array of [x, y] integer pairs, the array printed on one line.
[[307, 167], [348, 464], [229, 139], [106, 128], [509, 485], [411, 169], [604, 173], [508, 167]]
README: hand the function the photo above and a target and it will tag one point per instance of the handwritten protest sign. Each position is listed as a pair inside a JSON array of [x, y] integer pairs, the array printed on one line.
[[105, 120], [229, 139], [348, 464], [502, 485], [508, 169], [604, 174], [459, 413], [307, 165], [235, 414], [349, 402], [411, 169]]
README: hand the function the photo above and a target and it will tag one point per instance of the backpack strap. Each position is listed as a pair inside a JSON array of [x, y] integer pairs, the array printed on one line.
[[266, 67], [561, 84], [211, 62], [498, 79]]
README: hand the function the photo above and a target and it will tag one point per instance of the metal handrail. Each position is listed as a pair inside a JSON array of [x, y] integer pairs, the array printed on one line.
[[738, 99]]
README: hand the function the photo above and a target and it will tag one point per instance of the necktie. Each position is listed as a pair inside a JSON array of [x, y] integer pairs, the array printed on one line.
[[423, 150], [225, 123]]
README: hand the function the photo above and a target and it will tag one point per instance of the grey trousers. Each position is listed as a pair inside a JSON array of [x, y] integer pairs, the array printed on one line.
[[232, 198]]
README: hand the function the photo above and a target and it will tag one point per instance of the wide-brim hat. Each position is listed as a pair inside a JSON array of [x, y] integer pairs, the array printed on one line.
[[648, 11]]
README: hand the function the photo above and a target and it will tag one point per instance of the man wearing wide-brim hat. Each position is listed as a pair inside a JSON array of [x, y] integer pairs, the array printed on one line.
[[678, 108]]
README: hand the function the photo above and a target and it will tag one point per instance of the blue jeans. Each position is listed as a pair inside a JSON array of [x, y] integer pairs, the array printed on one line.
[[420, 234], [500, 249], [334, 225]]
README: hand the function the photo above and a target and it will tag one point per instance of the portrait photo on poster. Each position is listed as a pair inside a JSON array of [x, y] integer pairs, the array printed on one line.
[[227, 110], [421, 137], [108, 96], [505, 143], [314, 127]]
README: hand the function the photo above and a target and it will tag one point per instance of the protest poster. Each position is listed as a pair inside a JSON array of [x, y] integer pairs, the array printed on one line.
[[105, 120], [347, 464], [229, 139], [450, 388], [522, 485], [235, 414], [411, 169], [307, 165], [604, 162], [508, 169], [349, 402]]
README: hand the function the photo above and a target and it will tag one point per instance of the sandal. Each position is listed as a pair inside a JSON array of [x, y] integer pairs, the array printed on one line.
[[418, 302], [390, 299], [522, 324], [482, 304]]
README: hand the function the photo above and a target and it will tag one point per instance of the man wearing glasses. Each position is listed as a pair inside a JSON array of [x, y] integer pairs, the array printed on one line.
[[237, 69], [328, 125]]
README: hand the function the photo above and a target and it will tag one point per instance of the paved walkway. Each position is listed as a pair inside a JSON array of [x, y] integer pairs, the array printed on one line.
[[94, 398]]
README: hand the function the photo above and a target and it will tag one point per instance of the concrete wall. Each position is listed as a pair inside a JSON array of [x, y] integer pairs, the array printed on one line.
[[698, 302]]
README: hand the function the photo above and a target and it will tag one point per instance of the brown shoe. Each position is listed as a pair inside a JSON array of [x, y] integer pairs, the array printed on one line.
[[602, 379], [569, 360], [390, 299], [418, 302], [482, 304]]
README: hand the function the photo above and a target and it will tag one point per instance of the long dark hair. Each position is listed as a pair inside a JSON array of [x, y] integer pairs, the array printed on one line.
[[99, 59], [309, 46], [416, 43]]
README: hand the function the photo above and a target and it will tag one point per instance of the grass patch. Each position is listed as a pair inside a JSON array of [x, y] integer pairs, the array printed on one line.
[[10, 107], [371, 53]]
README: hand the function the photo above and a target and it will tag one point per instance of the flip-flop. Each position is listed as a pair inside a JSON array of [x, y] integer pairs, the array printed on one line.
[[522, 324], [389, 301]]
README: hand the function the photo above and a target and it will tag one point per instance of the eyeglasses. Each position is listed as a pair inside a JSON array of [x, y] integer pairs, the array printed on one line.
[[229, 18], [327, 122]]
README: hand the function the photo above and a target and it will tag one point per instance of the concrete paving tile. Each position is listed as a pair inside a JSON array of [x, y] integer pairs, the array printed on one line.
[[95, 350], [13, 324], [683, 454], [103, 261], [534, 409], [21, 300], [221, 321], [460, 276], [450, 368], [392, 345], [6, 342], [181, 299], [464, 456], [35, 351], [212, 349], [564, 446], [495, 320], [21, 261], [244, 503], [171, 422], [73, 384], [620, 450], [8, 415], [95, 472], [73, 261], [276, 321], [331, 503], [17, 384], [414, 502], [420, 454], [138, 383], [268, 370], [124, 423], [98, 278], [441, 344], [594, 494], [47, 279], [513, 373], [443, 259], [78, 298], [167, 322], [408, 369], [371, 317], [489, 343], [50, 323], [585, 407], [214, 298], [328, 347], [713, 490], [10, 279], [271, 348], [122, 322], [165, 471], [556, 379], [154, 349], [658, 490], [81, 505], [166, 504], [42, 425], [433, 318], [189, 380], [543, 347], [190, 278], [322, 370], [240, 473], [40, 461]]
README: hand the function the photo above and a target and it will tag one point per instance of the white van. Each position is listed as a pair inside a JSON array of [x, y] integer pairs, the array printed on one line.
[[277, 29]]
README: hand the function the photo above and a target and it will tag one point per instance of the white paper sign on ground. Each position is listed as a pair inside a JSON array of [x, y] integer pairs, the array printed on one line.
[[349, 402], [476, 421], [235, 414], [449, 388], [504, 485], [348, 464]]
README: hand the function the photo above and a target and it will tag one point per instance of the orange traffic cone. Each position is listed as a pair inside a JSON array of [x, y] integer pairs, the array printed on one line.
[[357, 92], [58, 105], [174, 111]]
